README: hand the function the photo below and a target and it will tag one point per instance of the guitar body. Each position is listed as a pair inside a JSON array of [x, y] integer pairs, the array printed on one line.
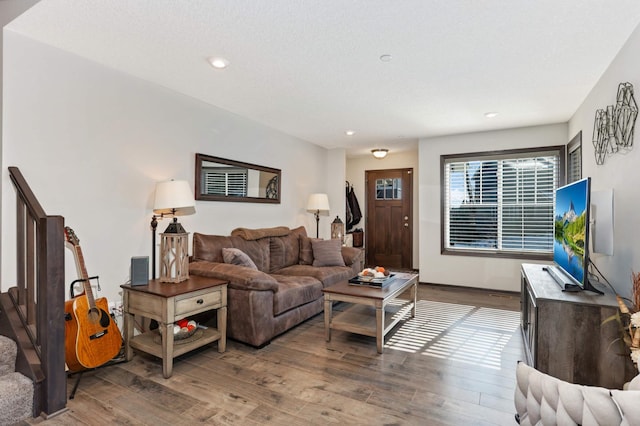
[[91, 336], [70, 336], [98, 339]]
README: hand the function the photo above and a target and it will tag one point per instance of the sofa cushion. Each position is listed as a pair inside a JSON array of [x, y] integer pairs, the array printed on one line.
[[285, 250], [306, 250], [209, 247], [294, 292], [239, 277], [352, 255], [256, 234], [327, 253], [236, 256], [328, 275]]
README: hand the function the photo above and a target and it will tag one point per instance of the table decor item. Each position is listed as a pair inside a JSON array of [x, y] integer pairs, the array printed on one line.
[[376, 277], [628, 319], [183, 329]]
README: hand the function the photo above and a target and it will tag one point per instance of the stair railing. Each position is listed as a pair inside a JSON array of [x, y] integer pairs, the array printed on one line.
[[36, 320]]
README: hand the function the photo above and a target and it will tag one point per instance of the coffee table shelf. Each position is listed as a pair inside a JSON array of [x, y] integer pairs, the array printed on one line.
[[361, 319]]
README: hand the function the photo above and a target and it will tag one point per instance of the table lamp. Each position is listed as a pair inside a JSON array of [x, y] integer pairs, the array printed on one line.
[[172, 198]]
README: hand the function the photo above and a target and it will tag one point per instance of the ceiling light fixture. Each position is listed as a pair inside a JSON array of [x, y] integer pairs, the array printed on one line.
[[349, 133], [218, 63], [386, 58], [490, 114], [380, 153]]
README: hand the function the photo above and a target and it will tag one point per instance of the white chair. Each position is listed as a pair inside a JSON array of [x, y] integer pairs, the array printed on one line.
[[543, 400]]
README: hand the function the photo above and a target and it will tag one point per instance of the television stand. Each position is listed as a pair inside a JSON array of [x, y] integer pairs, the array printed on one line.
[[565, 283], [590, 287], [564, 335]]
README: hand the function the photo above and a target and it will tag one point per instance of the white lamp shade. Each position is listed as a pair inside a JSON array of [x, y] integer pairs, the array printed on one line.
[[173, 194], [318, 202]]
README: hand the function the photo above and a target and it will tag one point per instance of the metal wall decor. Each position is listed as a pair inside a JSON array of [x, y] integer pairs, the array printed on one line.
[[613, 126]]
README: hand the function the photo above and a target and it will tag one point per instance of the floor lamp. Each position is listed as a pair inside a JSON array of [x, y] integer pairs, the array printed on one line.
[[316, 204]]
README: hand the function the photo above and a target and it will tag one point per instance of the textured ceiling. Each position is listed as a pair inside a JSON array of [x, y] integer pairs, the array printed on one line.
[[311, 68]]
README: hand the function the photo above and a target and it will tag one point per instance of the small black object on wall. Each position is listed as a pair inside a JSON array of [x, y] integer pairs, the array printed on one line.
[[140, 270]]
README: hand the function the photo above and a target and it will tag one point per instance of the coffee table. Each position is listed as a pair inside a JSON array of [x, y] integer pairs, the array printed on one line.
[[373, 311]]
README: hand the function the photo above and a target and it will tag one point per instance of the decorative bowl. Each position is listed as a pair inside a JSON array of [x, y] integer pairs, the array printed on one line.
[[370, 275], [181, 334]]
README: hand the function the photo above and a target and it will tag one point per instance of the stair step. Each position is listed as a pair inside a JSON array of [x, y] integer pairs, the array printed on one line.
[[16, 398], [8, 352]]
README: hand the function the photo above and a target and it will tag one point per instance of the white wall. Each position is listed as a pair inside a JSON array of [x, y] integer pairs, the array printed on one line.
[[336, 165], [466, 271], [9, 10], [93, 142], [355, 174], [620, 172]]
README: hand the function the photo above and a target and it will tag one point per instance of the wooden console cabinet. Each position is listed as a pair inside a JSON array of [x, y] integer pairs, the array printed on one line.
[[563, 332]]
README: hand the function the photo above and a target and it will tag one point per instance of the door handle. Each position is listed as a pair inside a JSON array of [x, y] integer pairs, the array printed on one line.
[[406, 225]]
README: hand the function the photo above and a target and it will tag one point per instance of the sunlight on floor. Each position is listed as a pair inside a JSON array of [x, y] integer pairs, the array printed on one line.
[[459, 333]]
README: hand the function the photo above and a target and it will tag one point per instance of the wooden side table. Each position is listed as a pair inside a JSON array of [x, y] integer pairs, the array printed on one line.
[[168, 303]]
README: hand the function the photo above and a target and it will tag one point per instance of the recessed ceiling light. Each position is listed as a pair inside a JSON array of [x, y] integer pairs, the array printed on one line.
[[218, 63], [349, 133], [490, 114], [386, 58]]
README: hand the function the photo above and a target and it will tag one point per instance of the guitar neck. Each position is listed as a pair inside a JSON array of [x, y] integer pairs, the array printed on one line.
[[86, 285]]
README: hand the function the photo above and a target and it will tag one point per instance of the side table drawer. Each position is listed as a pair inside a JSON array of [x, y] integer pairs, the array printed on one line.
[[196, 304]]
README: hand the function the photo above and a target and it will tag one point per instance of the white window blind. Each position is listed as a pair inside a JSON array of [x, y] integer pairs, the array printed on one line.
[[500, 203], [574, 165], [225, 181]]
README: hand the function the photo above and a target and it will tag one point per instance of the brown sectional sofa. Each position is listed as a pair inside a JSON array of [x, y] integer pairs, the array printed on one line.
[[284, 290]]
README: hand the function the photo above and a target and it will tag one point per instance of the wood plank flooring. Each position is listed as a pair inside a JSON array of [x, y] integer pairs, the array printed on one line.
[[453, 364]]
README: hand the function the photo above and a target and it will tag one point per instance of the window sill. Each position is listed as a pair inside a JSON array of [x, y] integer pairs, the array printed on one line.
[[499, 254]]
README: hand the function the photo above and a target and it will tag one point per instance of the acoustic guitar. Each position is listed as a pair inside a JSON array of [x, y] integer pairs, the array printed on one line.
[[91, 336]]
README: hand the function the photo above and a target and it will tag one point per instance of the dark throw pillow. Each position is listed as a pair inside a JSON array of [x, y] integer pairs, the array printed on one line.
[[236, 256], [327, 253], [306, 250]]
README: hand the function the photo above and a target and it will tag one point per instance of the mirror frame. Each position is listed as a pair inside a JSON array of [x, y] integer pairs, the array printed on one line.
[[200, 158]]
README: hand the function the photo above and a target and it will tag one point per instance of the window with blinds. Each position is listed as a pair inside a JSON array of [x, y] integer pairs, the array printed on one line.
[[574, 158], [500, 203], [225, 181]]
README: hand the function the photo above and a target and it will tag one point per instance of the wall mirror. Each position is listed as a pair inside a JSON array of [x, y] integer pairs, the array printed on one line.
[[220, 179]]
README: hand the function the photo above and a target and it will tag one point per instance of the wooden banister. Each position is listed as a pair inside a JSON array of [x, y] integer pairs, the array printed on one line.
[[33, 310]]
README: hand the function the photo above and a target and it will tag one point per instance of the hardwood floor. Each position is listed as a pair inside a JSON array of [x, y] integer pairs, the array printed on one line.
[[454, 364]]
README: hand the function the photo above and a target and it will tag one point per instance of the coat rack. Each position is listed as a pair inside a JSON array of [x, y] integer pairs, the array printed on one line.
[[352, 207]]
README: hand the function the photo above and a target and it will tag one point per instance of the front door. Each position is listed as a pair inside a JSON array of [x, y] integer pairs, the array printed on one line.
[[388, 231]]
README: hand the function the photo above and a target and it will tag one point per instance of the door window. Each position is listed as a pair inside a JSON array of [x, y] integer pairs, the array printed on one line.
[[389, 189]]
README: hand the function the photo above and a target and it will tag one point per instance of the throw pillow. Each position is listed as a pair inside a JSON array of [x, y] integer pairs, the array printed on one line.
[[327, 253], [236, 256], [306, 250], [284, 251]]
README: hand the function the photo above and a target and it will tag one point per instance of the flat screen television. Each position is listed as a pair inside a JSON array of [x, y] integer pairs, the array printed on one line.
[[571, 237]]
